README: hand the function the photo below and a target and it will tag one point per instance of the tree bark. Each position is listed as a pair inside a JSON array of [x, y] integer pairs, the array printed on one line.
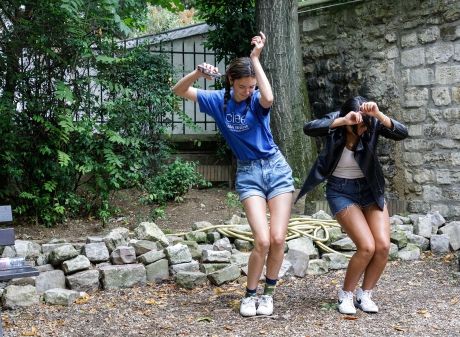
[[282, 62]]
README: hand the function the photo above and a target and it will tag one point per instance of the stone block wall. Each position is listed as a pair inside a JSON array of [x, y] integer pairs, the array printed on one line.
[[405, 55]]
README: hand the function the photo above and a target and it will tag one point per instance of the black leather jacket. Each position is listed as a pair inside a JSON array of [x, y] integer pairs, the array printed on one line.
[[365, 153]]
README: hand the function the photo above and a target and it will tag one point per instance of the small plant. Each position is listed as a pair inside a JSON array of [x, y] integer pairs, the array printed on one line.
[[233, 201], [174, 181], [158, 213]]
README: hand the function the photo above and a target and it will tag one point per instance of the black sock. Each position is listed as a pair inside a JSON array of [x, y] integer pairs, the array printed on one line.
[[250, 292], [269, 286]]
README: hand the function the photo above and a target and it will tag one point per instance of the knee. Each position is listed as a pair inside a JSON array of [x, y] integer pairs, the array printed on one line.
[[382, 249], [262, 246], [277, 242], [366, 250]]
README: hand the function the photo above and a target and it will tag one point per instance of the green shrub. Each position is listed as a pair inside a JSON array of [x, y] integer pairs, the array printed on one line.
[[173, 182]]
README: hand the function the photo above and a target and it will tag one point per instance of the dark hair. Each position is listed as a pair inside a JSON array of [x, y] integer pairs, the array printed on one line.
[[238, 68], [351, 104]]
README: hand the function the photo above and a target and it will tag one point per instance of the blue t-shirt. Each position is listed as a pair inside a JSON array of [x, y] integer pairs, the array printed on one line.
[[246, 130]]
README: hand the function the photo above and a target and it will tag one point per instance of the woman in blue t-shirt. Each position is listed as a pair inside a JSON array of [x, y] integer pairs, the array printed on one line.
[[263, 176]]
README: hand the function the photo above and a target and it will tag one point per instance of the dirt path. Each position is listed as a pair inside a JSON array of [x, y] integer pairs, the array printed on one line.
[[420, 298]]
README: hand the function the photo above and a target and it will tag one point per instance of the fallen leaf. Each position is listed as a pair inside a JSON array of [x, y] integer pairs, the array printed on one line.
[[235, 304], [350, 318], [454, 301], [399, 328], [424, 313], [227, 327], [32, 332], [152, 302], [83, 299], [204, 319]]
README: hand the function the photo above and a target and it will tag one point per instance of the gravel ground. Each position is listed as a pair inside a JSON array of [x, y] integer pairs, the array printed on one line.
[[420, 298]]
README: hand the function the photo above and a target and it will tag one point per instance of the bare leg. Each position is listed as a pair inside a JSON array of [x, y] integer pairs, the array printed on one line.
[[255, 208], [379, 224], [280, 212], [355, 225]]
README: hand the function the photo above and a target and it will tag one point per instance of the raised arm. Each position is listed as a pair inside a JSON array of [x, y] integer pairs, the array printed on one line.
[[265, 89], [184, 88]]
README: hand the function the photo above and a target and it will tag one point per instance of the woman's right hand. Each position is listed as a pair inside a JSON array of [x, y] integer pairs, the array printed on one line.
[[353, 118]]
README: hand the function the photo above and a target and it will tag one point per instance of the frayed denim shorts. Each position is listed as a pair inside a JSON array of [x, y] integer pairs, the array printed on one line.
[[265, 178], [342, 193]]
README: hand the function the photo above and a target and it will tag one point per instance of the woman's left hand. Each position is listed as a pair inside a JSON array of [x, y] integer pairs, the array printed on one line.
[[258, 41], [370, 109]]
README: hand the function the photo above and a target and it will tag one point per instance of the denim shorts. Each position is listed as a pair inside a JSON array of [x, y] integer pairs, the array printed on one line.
[[266, 177], [342, 193]]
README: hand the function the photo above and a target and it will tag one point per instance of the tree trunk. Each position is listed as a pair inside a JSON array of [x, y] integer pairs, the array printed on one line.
[[282, 62]]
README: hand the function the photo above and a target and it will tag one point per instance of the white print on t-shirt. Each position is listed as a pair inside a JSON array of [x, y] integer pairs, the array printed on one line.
[[236, 123]]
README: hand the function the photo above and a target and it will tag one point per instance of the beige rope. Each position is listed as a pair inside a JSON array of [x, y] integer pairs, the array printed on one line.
[[297, 227]]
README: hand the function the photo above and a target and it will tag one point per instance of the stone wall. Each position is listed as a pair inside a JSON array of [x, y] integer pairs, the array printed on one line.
[[405, 55]]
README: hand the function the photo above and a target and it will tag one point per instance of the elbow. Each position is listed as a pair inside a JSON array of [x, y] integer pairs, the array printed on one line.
[[175, 90]]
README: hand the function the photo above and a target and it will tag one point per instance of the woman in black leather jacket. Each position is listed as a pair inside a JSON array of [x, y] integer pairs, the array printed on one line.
[[355, 190]]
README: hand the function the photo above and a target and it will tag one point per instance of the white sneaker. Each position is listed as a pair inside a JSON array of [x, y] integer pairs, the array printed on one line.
[[248, 306], [364, 301], [346, 305], [265, 305]]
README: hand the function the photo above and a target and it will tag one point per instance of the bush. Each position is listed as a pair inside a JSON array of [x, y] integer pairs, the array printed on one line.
[[173, 182]]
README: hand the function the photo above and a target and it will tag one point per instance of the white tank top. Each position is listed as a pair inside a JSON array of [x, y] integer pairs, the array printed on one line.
[[347, 167]]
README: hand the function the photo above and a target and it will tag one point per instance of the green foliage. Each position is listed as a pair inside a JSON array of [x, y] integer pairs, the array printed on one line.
[[79, 117], [234, 23], [173, 181], [233, 201]]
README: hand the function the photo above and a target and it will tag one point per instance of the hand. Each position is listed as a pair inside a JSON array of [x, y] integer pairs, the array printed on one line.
[[258, 41], [370, 109], [208, 71], [353, 118]]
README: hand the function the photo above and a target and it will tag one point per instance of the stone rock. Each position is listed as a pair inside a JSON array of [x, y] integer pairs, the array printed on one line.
[[243, 245], [304, 244], [190, 280], [122, 276], [78, 263], [399, 238], [298, 260], [179, 253], [151, 257], [96, 252], [227, 274], [19, 296], [151, 232], [317, 267], [87, 281], [62, 253], [63, 297], [222, 244], [49, 280], [196, 236], [123, 255], [439, 243], [452, 229], [143, 246], [345, 244], [157, 271], [336, 261], [215, 256], [409, 253], [117, 237], [192, 266]]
